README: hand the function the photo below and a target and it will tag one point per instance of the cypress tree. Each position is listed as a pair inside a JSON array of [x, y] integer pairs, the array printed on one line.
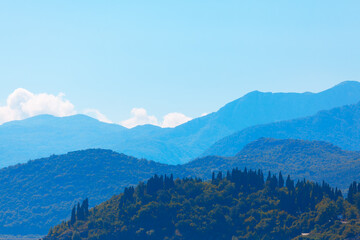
[[172, 180], [168, 182], [281, 180], [273, 182], [352, 191], [85, 208], [228, 176], [73, 216], [219, 176], [290, 184], [268, 177], [213, 178], [79, 213]]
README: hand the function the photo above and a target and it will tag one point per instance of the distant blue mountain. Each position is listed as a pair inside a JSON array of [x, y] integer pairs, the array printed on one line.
[[45, 135], [257, 108], [339, 126]]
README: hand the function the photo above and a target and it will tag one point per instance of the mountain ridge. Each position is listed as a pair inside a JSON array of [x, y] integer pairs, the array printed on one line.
[[339, 126], [45, 135]]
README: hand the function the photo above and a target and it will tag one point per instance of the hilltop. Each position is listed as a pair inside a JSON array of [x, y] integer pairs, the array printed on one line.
[[238, 205]]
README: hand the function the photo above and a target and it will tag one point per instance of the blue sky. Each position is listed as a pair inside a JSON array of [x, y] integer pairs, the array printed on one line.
[[189, 57]]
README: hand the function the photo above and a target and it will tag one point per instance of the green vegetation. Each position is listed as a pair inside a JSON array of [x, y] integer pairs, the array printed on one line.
[[313, 160], [235, 205], [41, 193]]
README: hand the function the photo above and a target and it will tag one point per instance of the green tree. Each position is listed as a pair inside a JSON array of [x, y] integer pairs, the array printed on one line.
[[85, 208], [73, 216], [281, 180]]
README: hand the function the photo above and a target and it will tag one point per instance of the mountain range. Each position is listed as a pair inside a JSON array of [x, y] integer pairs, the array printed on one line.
[[39, 194], [340, 126], [44, 135], [307, 135]]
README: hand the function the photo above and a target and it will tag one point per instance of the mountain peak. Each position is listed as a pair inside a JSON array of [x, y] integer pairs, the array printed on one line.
[[345, 86], [348, 83]]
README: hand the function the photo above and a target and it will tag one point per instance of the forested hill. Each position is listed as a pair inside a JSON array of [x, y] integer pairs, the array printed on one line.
[[40, 193], [314, 160], [233, 205], [339, 126]]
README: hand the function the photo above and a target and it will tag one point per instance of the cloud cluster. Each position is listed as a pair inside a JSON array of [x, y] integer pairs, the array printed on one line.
[[139, 116], [22, 104], [174, 119]]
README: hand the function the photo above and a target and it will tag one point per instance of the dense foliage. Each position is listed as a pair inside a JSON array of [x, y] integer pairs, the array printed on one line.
[[39, 194], [354, 194], [235, 205], [313, 160], [339, 126]]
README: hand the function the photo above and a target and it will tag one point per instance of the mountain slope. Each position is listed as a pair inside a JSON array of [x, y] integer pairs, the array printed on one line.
[[313, 160], [42, 136], [257, 108], [40, 193], [340, 126], [37, 194]]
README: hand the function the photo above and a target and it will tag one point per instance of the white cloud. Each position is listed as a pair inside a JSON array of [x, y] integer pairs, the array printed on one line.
[[94, 113], [174, 119], [140, 117], [22, 104]]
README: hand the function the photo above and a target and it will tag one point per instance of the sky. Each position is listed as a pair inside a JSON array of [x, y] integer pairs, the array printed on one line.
[[166, 62]]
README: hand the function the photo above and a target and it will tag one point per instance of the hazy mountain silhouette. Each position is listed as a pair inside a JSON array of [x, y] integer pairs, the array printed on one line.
[[45, 135], [340, 126]]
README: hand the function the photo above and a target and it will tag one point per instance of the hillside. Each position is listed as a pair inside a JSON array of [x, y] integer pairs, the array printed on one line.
[[265, 107], [241, 205], [40, 193], [42, 136], [340, 126], [36, 195], [314, 160]]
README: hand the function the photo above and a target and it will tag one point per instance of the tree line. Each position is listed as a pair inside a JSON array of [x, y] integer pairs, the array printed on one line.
[[238, 204]]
